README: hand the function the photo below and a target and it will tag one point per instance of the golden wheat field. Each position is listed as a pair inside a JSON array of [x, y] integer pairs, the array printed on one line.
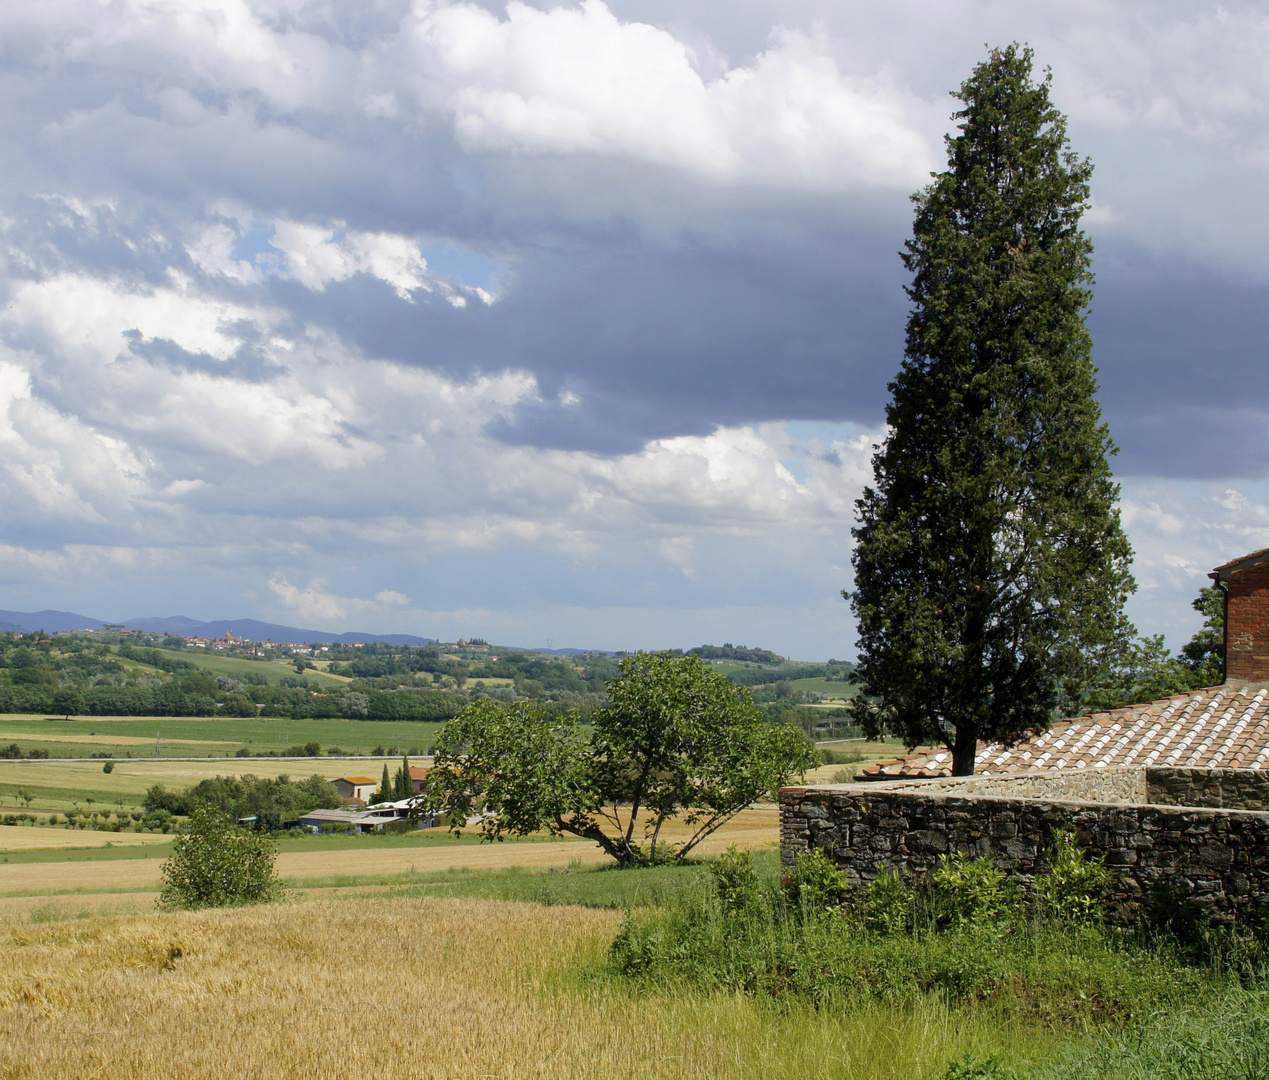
[[402, 987]]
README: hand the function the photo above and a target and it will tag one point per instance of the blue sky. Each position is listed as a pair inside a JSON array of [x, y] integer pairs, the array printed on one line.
[[569, 322]]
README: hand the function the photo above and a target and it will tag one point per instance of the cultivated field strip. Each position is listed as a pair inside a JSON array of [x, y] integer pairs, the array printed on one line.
[[42, 838], [424, 988], [753, 828]]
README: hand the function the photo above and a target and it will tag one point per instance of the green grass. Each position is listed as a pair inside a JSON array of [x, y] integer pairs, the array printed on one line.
[[207, 736], [832, 689], [430, 839], [160, 851], [62, 798], [273, 670], [1225, 1037], [588, 886]]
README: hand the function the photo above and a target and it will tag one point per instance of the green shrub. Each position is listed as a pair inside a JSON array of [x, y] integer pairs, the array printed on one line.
[[1169, 912], [971, 891], [736, 881], [889, 905], [1076, 887], [216, 864], [971, 1068], [817, 884], [109, 767]]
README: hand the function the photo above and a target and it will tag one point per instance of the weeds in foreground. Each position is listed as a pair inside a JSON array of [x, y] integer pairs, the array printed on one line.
[[967, 936]]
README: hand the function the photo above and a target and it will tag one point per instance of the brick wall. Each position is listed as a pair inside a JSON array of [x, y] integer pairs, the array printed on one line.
[[1219, 856], [1247, 625]]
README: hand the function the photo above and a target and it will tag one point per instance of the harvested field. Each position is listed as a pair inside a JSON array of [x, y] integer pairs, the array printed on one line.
[[40, 838], [436, 989], [755, 827]]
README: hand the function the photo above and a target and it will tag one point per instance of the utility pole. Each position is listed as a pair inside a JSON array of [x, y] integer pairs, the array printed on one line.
[[157, 752]]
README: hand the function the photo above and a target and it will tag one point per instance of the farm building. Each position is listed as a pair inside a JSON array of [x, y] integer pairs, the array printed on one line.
[[372, 819], [356, 788]]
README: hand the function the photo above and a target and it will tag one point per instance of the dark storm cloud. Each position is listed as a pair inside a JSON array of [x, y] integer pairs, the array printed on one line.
[[1184, 359], [654, 340]]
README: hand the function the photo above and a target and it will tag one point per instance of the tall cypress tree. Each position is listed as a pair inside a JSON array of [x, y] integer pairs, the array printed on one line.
[[402, 788], [990, 566]]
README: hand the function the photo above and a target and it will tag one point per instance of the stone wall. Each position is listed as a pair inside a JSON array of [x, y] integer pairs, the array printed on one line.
[[1127, 785], [1219, 856], [1229, 789], [1222, 789]]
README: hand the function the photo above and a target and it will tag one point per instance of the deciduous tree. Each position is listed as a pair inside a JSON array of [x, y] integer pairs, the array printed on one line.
[[676, 742], [1204, 653]]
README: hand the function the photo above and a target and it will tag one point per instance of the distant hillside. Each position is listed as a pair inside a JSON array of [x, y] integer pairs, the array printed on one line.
[[27, 622], [262, 631]]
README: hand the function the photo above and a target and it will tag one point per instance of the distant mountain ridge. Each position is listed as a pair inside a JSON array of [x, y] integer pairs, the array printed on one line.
[[26, 622]]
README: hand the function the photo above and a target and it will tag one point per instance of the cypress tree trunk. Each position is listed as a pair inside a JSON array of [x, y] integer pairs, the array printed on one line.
[[990, 566]]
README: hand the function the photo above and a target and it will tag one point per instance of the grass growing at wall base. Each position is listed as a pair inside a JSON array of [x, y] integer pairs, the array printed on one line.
[[1023, 971]]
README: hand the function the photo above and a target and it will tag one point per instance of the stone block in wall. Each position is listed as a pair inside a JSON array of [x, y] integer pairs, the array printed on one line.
[[926, 842]]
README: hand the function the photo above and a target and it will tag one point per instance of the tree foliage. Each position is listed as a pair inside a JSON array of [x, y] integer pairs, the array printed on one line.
[[1204, 653], [215, 864], [1141, 671], [271, 800], [990, 566], [677, 741]]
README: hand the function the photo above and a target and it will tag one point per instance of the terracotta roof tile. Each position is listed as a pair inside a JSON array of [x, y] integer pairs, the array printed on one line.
[[1220, 727]]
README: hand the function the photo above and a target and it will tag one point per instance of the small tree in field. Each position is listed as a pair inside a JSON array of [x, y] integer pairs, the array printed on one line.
[[216, 864], [990, 566], [677, 741]]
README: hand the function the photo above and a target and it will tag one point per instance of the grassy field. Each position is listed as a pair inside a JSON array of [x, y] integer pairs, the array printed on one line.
[[23, 868], [186, 736], [838, 691], [59, 785], [273, 670], [437, 958], [461, 989]]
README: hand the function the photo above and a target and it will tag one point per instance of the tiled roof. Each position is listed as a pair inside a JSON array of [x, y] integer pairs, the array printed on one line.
[[1243, 562], [1220, 727], [358, 780]]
